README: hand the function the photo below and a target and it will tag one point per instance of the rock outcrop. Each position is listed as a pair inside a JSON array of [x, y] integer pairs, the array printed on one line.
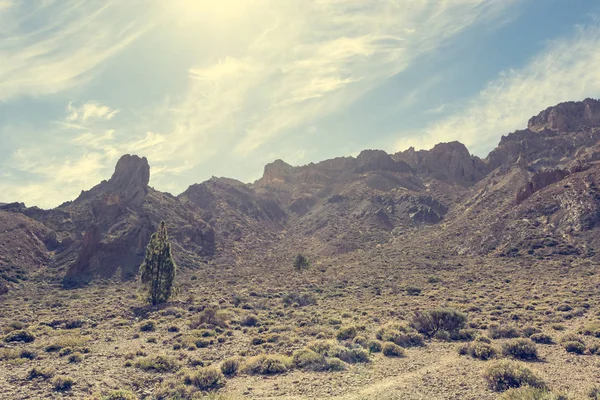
[[448, 162]]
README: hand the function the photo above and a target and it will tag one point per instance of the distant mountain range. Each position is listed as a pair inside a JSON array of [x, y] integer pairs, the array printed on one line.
[[535, 195]]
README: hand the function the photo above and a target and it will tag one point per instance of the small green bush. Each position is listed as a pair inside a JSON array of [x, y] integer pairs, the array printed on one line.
[[160, 363], [374, 346], [392, 350], [267, 365], [19, 336], [574, 347], [230, 366], [430, 322], [346, 332], [479, 350], [504, 374], [349, 355], [541, 338], [120, 395], [62, 383], [521, 349], [413, 291], [76, 357], [38, 372], [531, 393], [503, 332], [206, 378], [148, 326]]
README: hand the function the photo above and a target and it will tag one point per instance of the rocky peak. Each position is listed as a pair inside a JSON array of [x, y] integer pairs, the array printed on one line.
[[276, 171], [379, 160], [131, 171], [449, 162], [567, 117]]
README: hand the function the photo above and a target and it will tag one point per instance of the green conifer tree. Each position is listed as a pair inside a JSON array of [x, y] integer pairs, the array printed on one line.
[[158, 269]]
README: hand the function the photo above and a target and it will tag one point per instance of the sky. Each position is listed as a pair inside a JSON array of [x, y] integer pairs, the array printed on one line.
[[220, 88]]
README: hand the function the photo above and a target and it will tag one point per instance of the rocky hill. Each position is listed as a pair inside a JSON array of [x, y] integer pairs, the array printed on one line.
[[535, 195]]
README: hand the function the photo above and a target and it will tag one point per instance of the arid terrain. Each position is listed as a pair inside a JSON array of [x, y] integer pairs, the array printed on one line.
[[433, 275]]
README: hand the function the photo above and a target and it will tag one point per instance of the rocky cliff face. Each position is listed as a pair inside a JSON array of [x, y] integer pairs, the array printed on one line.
[[570, 116]]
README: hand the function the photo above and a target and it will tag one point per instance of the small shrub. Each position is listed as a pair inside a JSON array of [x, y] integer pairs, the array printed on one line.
[[541, 338], [438, 320], [37, 372], [148, 326], [349, 355], [374, 346], [479, 350], [19, 336], [250, 320], [206, 378], [230, 366], [531, 393], [503, 332], [521, 349], [302, 300], [267, 365], [211, 316], [592, 329], [503, 375], [120, 395], [392, 350], [346, 332], [65, 352], [413, 291], [574, 347], [594, 393], [301, 263], [76, 357], [62, 383], [160, 363]]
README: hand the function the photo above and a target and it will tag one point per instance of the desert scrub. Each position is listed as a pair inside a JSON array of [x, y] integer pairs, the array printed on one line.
[[479, 350], [574, 347], [592, 329], [211, 317], [76, 357], [120, 395], [351, 355], [299, 300], [308, 360], [392, 350], [346, 332], [503, 332], [205, 378], [430, 322], [19, 336], [264, 364], [148, 326], [39, 372], [542, 338], [531, 393], [504, 374], [521, 349], [160, 363], [230, 366], [374, 346], [62, 383], [401, 335]]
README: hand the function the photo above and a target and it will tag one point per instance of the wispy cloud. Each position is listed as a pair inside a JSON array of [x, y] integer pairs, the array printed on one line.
[[568, 69], [89, 111], [55, 45], [257, 72], [297, 61]]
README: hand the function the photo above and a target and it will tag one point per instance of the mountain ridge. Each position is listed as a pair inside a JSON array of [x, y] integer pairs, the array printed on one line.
[[342, 205]]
